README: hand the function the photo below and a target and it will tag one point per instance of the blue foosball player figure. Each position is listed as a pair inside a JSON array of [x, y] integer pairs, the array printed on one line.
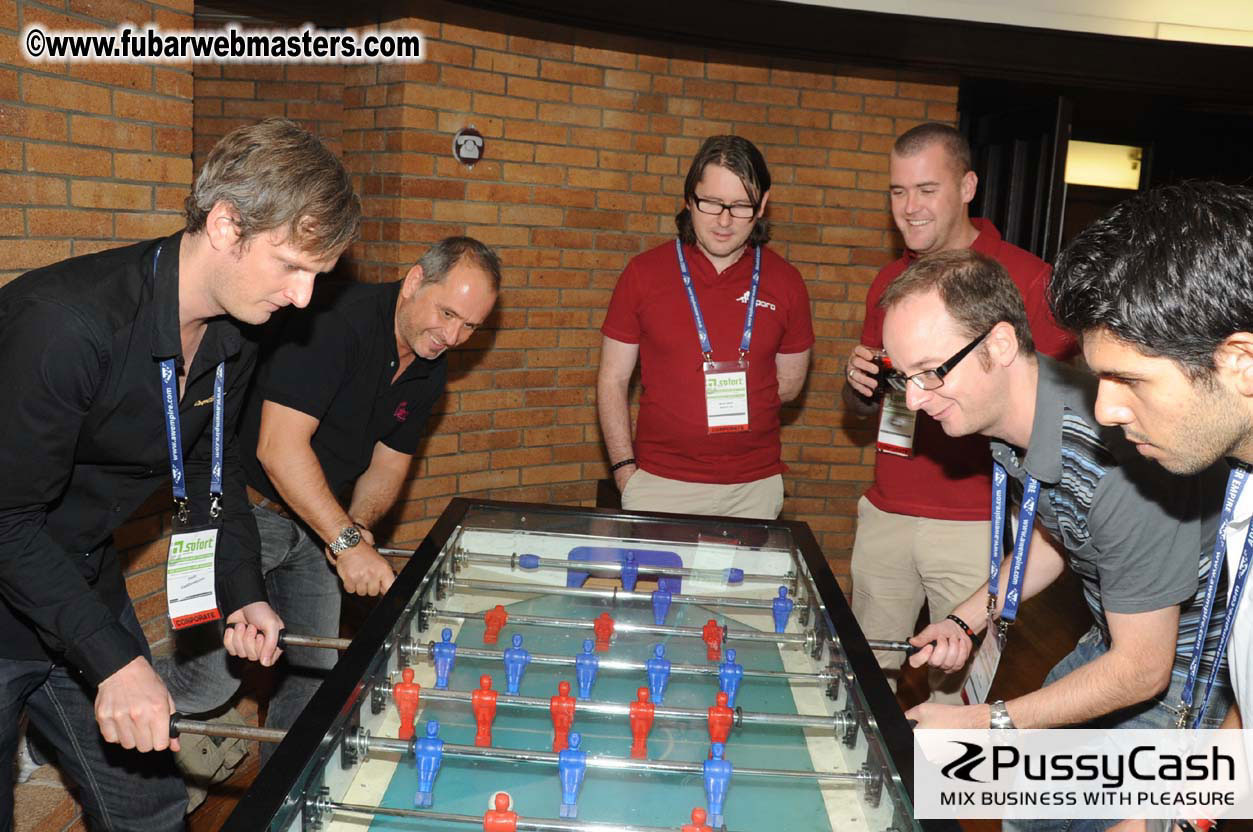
[[717, 781], [428, 755], [661, 605], [630, 571], [571, 766], [729, 676], [516, 660], [586, 664], [658, 673], [445, 658], [781, 608]]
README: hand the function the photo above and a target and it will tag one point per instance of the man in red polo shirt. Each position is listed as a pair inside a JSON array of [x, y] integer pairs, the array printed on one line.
[[922, 527], [721, 328]]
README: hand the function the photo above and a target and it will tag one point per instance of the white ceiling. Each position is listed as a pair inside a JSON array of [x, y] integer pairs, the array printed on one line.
[[1227, 22]]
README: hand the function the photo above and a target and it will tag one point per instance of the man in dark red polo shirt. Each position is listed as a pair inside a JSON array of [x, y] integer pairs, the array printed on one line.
[[922, 527], [721, 328]]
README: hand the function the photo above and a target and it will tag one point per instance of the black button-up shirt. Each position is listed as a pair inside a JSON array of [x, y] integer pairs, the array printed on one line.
[[335, 362], [83, 445]]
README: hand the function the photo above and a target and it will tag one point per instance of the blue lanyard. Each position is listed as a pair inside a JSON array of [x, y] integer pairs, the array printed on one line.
[[174, 434], [1022, 542], [1235, 485], [706, 348]]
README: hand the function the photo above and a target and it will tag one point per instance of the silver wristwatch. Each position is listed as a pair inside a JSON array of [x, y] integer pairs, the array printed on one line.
[[350, 536], [1000, 715]]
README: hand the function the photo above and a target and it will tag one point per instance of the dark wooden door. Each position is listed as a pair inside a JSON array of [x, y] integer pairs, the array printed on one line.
[[1019, 154]]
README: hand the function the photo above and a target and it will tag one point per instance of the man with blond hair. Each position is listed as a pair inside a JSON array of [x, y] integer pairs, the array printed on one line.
[[128, 369]]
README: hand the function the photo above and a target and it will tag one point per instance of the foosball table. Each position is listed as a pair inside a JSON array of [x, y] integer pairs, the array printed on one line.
[[585, 670]]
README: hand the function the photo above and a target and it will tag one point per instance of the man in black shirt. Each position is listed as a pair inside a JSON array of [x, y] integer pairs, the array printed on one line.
[[335, 418], [106, 357]]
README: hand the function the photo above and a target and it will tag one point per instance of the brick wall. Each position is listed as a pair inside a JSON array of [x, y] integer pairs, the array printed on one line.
[[588, 140], [226, 96], [90, 154]]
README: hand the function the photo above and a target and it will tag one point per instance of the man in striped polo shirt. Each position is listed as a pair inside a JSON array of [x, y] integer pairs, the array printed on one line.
[[1176, 362], [956, 330]]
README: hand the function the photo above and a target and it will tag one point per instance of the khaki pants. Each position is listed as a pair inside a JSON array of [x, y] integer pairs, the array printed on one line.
[[898, 561], [759, 500]]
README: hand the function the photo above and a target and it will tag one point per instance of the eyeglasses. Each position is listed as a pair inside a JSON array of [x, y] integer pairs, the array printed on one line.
[[739, 210], [933, 379]]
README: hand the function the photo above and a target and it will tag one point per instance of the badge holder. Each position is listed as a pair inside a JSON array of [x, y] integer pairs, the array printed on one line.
[[897, 424], [189, 574], [987, 658], [726, 394]]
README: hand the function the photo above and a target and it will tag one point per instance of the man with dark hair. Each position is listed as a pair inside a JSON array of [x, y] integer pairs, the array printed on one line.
[[330, 428], [129, 371], [956, 330], [721, 328], [1161, 291], [923, 523]]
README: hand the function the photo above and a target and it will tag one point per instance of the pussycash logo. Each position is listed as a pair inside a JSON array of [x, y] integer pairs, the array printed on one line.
[[1143, 764]]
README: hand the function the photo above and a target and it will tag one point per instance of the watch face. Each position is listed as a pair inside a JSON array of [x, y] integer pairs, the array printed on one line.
[[348, 538]]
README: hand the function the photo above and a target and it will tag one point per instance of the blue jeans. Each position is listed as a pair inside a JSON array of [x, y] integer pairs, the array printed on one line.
[[119, 789], [1162, 711], [304, 591]]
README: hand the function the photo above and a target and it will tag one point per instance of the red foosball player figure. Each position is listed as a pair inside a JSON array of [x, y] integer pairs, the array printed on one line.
[[483, 703], [603, 627], [641, 724], [501, 819], [698, 822], [494, 621], [561, 707], [711, 634], [720, 718], [406, 694]]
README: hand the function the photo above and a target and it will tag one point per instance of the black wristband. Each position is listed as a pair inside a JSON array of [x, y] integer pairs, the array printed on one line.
[[624, 463], [974, 638]]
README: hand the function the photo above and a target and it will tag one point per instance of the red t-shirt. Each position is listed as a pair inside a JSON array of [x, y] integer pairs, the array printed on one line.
[[949, 478], [650, 307]]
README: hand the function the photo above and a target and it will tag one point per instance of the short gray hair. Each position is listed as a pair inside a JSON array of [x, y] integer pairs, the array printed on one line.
[[448, 252]]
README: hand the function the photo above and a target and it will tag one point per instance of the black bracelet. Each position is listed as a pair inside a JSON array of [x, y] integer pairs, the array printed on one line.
[[974, 638], [624, 463]]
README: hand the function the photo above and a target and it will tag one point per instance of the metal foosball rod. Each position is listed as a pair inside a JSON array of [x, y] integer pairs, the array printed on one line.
[[448, 582], [365, 745], [649, 629], [532, 562], [286, 639], [836, 721], [414, 650], [901, 646], [622, 664], [324, 805]]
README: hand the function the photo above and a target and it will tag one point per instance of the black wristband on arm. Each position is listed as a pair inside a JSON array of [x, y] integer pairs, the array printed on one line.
[[624, 463], [974, 638]]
